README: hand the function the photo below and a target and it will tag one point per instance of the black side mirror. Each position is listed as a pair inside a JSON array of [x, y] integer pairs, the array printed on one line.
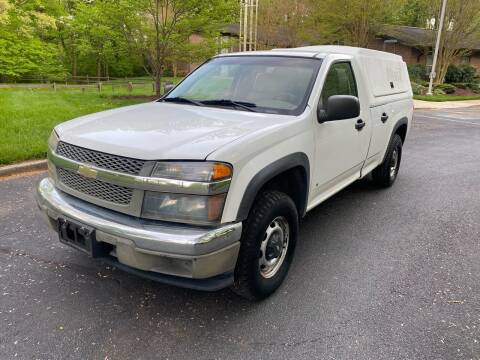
[[339, 107]]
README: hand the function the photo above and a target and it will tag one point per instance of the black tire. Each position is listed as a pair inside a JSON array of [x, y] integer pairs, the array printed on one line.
[[249, 281], [382, 175]]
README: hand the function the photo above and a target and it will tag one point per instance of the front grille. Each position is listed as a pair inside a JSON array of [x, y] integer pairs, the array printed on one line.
[[100, 159], [96, 188]]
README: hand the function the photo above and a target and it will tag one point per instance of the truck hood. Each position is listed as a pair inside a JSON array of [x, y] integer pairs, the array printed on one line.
[[156, 131]]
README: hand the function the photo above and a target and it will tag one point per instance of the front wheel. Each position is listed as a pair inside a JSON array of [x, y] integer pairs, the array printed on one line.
[[267, 246], [386, 173]]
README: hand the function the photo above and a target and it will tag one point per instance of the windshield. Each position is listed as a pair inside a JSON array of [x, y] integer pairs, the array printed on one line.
[[269, 84]]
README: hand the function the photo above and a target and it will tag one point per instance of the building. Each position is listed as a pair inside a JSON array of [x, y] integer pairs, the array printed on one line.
[[415, 45]]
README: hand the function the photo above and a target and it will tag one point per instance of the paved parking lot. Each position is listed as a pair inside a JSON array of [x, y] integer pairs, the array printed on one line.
[[378, 274]]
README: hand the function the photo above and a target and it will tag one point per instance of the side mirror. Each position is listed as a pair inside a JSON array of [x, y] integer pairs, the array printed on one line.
[[167, 88], [339, 107]]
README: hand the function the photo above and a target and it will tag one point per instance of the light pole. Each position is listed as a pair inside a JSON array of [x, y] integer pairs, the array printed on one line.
[[437, 45]]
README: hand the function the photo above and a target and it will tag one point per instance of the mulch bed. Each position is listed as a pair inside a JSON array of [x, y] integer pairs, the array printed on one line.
[[464, 92]]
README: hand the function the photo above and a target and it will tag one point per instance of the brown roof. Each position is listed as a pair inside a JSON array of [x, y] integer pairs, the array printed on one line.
[[412, 36]]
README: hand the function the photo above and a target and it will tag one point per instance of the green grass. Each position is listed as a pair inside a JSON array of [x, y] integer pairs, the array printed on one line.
[[28, 116], [442, 98]]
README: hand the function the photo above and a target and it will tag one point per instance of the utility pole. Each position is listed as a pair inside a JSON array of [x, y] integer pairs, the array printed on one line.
[[437, 45], [248, 25]]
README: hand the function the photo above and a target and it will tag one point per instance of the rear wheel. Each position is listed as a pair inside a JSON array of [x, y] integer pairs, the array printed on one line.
[[268, 243], [386, 173]]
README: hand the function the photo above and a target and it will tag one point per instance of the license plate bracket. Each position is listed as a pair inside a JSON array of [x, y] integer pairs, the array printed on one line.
[[81, 237]]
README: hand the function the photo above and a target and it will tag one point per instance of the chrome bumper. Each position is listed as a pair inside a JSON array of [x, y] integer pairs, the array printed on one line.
[[179, 250]]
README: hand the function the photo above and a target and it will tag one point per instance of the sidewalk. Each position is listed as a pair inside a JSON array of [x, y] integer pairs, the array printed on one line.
[[419, 104]]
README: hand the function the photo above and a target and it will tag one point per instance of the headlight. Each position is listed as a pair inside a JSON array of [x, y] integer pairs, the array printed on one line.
[[187, 208], [192, 171], [193, 209], [53, 140]]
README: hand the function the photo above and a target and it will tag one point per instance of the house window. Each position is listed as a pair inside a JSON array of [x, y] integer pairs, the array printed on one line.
[[225, 44]]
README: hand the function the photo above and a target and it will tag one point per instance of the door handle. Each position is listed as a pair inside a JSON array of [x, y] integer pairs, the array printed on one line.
[[384, 117], [360, 124]]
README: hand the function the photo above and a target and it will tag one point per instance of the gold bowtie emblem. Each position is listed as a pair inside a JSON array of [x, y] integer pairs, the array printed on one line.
[[87, 171]]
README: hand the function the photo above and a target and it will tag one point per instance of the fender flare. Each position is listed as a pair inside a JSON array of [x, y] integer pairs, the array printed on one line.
[[402, 121], [269, 172]]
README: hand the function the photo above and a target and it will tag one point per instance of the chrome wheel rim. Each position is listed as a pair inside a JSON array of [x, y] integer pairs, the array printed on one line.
[[274, 247], [393, 164]]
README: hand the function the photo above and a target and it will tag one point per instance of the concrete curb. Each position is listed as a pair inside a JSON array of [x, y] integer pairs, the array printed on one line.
[[432, 105], [23, 167]]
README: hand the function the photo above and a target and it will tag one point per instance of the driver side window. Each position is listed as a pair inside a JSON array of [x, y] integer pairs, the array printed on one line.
[[340, 81]]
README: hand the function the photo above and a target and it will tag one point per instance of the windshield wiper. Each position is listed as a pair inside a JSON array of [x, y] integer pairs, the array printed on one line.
[[226, 102], [179, 99]]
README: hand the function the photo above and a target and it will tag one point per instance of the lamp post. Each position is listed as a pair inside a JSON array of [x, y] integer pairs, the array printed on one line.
[[437, 45]]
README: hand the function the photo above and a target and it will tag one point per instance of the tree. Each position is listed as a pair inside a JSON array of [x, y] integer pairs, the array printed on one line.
[[351, 22], [164, 28], [284, 26], [26, 33], [460, 33], [415, 13]]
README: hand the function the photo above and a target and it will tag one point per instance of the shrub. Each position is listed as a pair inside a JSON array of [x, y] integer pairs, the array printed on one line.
[[418, 89], [460, 85], [475, 87], [446, 88], [417, 72], [460, 74], [438, 92]]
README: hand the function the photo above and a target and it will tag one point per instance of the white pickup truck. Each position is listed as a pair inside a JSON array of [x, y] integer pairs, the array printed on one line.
[[205, 188]]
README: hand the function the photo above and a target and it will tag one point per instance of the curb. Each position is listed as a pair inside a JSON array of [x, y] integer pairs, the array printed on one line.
[[23, 167], [432, 105]]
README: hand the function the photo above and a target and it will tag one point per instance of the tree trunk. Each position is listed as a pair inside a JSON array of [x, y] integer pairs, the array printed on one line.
[[74, 64], [99, 68], [158, 56]]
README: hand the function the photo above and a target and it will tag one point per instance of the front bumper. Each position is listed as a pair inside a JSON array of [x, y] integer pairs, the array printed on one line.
[[150, 247]]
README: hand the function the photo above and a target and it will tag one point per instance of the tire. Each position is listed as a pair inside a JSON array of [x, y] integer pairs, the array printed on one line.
[[273, 215], [386, 173]]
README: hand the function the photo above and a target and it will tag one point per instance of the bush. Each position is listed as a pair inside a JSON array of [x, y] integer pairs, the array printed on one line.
[[418, 72], [437, 92], [460, 85], [418, 89], [446, 88], [475, 87], [460, 74]]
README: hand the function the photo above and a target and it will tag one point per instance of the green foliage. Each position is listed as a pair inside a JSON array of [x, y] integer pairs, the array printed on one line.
[[475, 87], [437, 92], [351, 22], [460, 74], [51, 38], [417, 72], [445, 88], [418, 89], [415, 13], [25, 49]]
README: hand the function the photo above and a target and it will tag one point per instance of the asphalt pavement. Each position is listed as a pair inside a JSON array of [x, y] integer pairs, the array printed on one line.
[[378, 274]]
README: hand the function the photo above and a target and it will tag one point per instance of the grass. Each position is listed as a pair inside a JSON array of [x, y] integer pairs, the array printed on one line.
[[442, 98], [28, 116]]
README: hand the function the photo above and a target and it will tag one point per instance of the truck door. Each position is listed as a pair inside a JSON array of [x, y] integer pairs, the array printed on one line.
[[341, 146]]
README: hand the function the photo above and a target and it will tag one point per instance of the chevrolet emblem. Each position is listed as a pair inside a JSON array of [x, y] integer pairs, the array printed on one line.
[[87, 171]]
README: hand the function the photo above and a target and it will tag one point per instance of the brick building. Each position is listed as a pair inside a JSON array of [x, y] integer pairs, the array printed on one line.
[[413, 44]]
